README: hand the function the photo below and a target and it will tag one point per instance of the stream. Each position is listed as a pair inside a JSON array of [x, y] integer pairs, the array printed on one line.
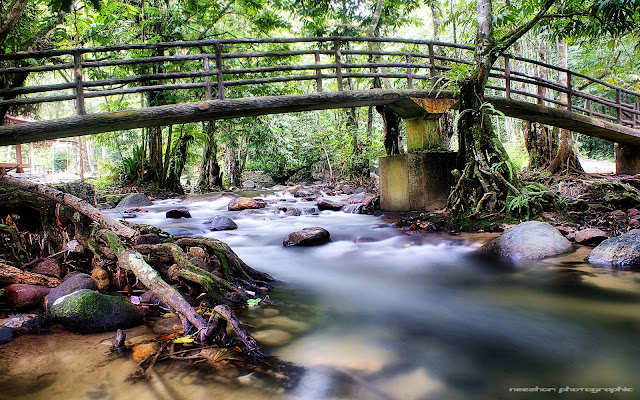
[[380, 313]]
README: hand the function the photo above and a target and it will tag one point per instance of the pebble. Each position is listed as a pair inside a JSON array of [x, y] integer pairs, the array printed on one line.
[[142, 351]]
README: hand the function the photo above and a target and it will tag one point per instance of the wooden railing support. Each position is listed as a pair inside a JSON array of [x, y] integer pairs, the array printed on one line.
[[218, 47], [569, 91], [207, 78], [79, 90], [507, 77], [618, 106], [338, 57], [409, 72], [318, 72], [432, 61]]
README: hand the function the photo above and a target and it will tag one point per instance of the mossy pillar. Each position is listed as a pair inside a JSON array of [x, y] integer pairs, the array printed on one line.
[[420, 179], [627, 159]]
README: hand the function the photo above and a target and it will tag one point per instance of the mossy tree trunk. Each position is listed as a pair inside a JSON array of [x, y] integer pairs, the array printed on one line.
[[488, 176]]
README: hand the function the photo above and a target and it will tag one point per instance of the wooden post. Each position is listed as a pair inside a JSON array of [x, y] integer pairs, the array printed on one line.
[[619, 106], [636, 121], [507, 77], [77, 72], [318, 72], [207, 79], [569, 91], [19, 158], [432, 61], [219, 69], [338, 55], [589, 111], [409, 72]]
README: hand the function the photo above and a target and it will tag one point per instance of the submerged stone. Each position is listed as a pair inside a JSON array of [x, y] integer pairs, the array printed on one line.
[[87, 311], [529, 240]]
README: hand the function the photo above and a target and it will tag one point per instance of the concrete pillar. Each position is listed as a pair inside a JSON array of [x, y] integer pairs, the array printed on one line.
[[423, 132], [627, 159]]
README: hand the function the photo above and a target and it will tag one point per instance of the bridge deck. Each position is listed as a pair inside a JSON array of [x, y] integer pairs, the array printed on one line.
[[254, 106]]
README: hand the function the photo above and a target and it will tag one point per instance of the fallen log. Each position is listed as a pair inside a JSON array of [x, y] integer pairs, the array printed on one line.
[[9, 274]]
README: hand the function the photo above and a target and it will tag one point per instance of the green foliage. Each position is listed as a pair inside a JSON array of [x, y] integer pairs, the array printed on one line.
[[595, 148], [533, 199]]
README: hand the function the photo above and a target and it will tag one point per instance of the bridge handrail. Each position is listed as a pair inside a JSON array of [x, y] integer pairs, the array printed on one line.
[[625, 112]]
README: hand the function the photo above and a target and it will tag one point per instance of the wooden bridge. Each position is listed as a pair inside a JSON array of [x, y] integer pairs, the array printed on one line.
[[230, 78]]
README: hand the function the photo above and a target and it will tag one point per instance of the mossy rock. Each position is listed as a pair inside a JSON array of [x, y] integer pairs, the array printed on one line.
[[87, 311]]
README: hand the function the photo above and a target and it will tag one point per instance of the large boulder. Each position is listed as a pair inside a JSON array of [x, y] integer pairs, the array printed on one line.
[[222, 223], [135, 200], [619, 251], [529, 240], [307, 237], [72, 283], [87, 311], [326, 204], [23, 296], [244, 203]]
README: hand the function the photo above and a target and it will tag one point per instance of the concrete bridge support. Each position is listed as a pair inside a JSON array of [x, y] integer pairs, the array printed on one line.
[[420, 179], [627, 159]]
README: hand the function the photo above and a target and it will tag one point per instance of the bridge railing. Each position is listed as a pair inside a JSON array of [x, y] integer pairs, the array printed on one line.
[[217, 69]]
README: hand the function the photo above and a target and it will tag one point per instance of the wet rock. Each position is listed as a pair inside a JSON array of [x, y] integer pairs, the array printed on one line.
[[149, 238], [166, 326], [362, 197], [22, 296], [272, 337], [178, 213], [50, 267], [292, 212], [590, 236], [249, 184], [619, 251], [6, 335], [309, 211], [102, 279], [293, 190], [326, 204], [222, 223], [135, 200], [308, 237], [353, 209], [87, 311], [283, 323], [250, 212], [27, 323], [144, 350], [72, 283], [309, 194], [529, 241], [244, 203], [578, 205]]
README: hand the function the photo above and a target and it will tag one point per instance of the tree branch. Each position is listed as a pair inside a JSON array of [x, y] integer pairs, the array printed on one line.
[[12, 18], [510, 38]]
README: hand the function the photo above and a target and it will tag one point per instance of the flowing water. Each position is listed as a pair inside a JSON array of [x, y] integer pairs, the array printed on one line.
[[379, 313]]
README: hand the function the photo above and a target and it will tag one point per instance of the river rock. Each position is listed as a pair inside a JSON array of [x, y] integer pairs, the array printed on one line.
[[149, 238], [307, 237], [166, 326], [178, 213], [101, 278], [87, 311], [353, 209], [50, 267], [284, 323], [270, 312], [6, 335], [620, 251], [590, 236], [250, 212], [293, 190], [222, 223], [272, 337], [72, 283], [135, 200], [292, 212], [244, 203], [22, 296], [144, 350], [529, 241], [361, 197], [27, 323], [309, 194], [326, 204], [249, 184]]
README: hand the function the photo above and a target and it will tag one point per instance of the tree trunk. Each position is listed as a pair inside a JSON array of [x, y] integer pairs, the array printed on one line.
[[232, 167], [178, 160], [210, 173], [391, 122]]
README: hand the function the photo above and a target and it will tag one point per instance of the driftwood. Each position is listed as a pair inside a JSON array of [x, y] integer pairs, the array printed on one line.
[[72, 201], [9, 274]]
